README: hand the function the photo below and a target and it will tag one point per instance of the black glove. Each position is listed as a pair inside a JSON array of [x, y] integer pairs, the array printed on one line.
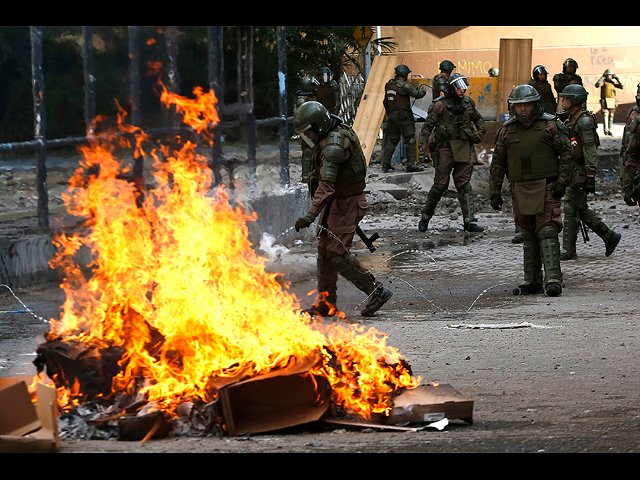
[[630, 200], [304, 222], [590, 184], [496, 201], [559, 189]]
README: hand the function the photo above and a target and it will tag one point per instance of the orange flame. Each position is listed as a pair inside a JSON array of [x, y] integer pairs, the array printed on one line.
[[179, 264]]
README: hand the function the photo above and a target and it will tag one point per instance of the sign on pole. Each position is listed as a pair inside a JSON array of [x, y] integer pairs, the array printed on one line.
[[363, 34]]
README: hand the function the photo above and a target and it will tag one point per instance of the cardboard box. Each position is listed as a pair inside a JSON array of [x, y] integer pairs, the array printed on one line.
[[430, 403], [25, 427]]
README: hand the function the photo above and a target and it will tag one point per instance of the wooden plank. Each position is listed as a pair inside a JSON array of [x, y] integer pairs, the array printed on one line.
[[515, 68], [370, 112]]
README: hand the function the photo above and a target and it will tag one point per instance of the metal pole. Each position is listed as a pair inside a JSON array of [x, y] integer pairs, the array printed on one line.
[[89, 79], [134, 85], [245, 53], [216, 76], [285, 179], [40, 125]]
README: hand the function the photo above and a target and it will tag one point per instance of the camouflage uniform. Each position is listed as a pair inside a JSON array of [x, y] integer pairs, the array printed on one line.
[[452, 127], [584, 138], [339, 164], [400, 121], [537, 161]]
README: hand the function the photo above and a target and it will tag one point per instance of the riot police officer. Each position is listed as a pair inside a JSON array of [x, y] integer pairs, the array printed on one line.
[[532, 150], [439, 82], [607, 84], [541, 84], [339, 164], [567, 77], [400, 120], [457, 126], [327, 91], [630, 154], [582, 131]]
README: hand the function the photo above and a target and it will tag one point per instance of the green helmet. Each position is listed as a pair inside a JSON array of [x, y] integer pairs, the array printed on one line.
[[308, 85], [311, 117], [524, 94], [494, 72], [447, 66], [402, 71], [577, 94], [608, 71]]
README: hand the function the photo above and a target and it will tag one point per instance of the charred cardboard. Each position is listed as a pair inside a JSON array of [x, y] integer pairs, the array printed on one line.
[[429, 403], [274, 401], [422, 405], [25, 427]]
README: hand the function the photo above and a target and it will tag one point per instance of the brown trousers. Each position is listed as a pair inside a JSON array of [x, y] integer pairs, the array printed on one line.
[[341, 217], [551, 214], [445, 166]]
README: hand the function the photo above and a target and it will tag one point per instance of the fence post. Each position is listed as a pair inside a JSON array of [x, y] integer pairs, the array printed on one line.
[[40, 125], [285, 179], [89, 79]]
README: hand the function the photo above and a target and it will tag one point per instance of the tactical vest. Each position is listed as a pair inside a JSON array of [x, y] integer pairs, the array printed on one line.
[[326, 95], [350, 177], [455, 122], [577, 146], [608, 90], [530, 153], [396, 97]]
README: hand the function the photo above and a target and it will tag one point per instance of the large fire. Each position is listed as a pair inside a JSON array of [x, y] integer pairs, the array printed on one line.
[[176, 284]]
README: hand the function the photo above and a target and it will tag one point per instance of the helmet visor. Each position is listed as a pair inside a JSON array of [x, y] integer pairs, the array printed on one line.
[[460, 83], [308, 139]]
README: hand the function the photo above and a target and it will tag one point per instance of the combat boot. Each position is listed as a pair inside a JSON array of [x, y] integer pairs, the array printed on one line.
[[433, 197], [387, 168], [472, 227], [532, 265], [611, 243], [379, 297], [570, 230], [465, 197], [550, 249]]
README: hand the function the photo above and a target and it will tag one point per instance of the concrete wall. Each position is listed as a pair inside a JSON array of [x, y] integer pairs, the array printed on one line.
[[475, 49]]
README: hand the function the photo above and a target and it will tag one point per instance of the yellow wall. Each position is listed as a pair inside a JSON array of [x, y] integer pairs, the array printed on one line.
[[475, 49]]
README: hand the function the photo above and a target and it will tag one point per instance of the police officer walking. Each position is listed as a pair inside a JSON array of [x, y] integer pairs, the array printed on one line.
[[340, 165], [400, 121], [584, 138], [532, 150], [457, 126], [607, 84]]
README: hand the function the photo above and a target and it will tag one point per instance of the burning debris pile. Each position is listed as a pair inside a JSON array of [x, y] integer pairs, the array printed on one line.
[[178, 326]]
